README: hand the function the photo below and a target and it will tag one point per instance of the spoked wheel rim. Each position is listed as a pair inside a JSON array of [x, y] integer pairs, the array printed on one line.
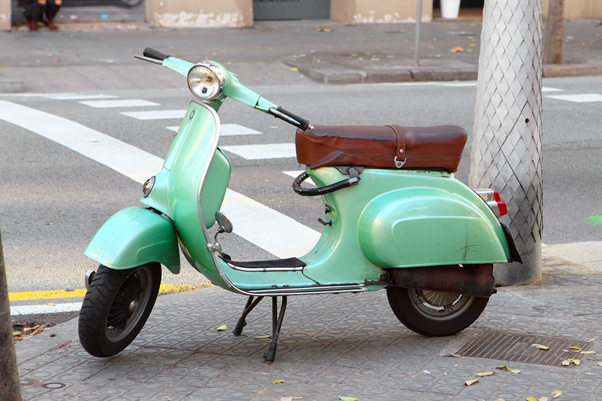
[[129, 304], [439, 305]]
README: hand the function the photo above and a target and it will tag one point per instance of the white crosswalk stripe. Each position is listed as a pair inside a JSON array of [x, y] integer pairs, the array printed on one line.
[[579, 98], [155, 114], [227, 130], [115, 103], [262, 152], [69, 96]]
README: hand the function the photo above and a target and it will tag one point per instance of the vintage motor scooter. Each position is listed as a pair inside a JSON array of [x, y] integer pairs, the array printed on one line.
[[395, 217]]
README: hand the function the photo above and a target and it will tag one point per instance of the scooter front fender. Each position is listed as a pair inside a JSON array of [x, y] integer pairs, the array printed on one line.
[[133, 237]]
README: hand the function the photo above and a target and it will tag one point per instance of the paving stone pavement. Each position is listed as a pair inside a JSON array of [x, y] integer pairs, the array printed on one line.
[[331, 345]]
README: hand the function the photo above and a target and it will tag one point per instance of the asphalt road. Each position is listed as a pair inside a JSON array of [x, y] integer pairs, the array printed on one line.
[[54, 199]]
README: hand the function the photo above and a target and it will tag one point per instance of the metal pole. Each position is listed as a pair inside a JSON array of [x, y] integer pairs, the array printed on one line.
[[9, 375], [417, 35], [506, 146]]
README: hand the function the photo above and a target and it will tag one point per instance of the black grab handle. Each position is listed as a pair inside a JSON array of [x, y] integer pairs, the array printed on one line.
[[322, 190], [152, 53]]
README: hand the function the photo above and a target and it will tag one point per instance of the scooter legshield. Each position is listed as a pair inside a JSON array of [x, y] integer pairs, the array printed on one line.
[[133, 237]]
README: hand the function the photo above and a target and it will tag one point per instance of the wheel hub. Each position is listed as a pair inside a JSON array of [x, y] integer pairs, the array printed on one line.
[[438, 304]]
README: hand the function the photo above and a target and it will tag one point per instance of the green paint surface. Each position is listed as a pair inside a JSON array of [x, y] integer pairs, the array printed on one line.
[[596, 220]]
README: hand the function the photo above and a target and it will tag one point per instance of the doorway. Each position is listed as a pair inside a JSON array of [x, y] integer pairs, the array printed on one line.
[[470, 10], [266, 10]]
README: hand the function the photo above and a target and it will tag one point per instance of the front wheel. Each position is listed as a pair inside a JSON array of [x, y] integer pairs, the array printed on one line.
[[434, 313], [116, 307]]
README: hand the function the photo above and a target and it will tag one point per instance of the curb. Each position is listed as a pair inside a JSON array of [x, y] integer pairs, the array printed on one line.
[[331, 74], [10, 85]]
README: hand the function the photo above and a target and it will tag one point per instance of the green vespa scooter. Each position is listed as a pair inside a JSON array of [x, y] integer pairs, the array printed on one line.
[[395, 217]]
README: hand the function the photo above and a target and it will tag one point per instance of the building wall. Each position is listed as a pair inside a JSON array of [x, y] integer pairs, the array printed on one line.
[[4, 15], [576, 9], [382, 11], [199, 13]]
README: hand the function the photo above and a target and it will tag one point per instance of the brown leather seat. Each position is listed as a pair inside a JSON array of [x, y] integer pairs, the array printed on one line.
[[377, 146]]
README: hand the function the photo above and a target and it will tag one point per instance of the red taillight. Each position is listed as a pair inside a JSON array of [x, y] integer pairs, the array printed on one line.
[[500, 203]]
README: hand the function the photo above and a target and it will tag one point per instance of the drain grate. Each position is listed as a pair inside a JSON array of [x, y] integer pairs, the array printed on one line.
[[519, 348]]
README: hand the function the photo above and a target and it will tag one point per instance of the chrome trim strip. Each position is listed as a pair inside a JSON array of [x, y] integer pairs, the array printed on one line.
[[326, 289], [265, 269]]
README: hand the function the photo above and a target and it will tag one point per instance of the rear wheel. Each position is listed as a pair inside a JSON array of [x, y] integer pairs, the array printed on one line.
[[434, 313], [116, 306]]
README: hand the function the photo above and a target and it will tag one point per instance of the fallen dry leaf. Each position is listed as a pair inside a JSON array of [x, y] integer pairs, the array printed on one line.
[[51, 304], [599, 363], [531, 399], [542, 347], [455, 355], [557, 393], [587, 373], [592, 340], [294, 69], [503, 368], [471, 382], [263, 337], [222, 328], [457, 50], [576, 362], [485, 374], [320, 29], [566, 362], [500, 399], [574, 347], [544, 398], [348, 399], [515, 371], [278, 381]]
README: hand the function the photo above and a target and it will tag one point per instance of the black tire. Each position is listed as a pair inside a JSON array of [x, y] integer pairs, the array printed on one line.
[[433, 313], [116, 306]]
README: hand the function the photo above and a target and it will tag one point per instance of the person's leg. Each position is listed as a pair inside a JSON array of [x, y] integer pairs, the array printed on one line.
[[52, 9], [34, 13]]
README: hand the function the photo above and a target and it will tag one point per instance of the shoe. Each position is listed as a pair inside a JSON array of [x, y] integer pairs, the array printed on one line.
[[50, 24], [33, 25]]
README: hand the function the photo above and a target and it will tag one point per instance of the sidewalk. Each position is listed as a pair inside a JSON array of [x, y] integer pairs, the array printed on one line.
[[340, 345], [86, 57]]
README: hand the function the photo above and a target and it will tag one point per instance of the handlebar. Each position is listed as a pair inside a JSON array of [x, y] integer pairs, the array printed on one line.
[[152, 53], [290, 118]]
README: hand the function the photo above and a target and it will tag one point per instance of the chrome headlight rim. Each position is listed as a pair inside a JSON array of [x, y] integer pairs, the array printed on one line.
[[148, 186], [217, 72]]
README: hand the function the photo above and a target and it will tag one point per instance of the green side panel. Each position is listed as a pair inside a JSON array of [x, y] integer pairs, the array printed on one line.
[[369, 233], [426, 227], [133, 237]]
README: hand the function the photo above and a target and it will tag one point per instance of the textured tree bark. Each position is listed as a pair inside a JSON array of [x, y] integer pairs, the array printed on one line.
[[506, 144], [9, 375], [552, 53]]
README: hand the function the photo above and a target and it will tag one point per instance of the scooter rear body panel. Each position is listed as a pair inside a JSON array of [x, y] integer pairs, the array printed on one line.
[[401, 219]]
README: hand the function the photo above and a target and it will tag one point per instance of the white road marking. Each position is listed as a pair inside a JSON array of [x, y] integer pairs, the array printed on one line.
[[546, 89], [260, 152], [44, 309], [113, 153], [258, 224], [104, 104], [69, 96], [155, 114], [460, 84], [227, 130], [581, 98]]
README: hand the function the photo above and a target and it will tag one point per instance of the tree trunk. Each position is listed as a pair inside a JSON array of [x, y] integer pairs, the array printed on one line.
[[9, 375], [506, 138], [552, 53]]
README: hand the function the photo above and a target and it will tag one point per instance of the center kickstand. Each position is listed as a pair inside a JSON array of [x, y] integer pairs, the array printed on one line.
[[270, 355], [242, 320]]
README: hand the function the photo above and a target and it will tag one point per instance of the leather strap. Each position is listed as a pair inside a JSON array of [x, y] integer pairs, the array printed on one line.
[[400, 153]]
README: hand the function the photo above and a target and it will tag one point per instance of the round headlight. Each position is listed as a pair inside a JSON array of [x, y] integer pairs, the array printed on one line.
[[205, 81], [147, 187]]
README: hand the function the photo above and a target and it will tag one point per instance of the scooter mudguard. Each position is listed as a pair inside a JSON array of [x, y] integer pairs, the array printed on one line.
[[133, 237], [415, 227]]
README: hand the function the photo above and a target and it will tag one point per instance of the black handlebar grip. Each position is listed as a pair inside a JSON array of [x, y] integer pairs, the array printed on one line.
[[303, 123], [152, 53]]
